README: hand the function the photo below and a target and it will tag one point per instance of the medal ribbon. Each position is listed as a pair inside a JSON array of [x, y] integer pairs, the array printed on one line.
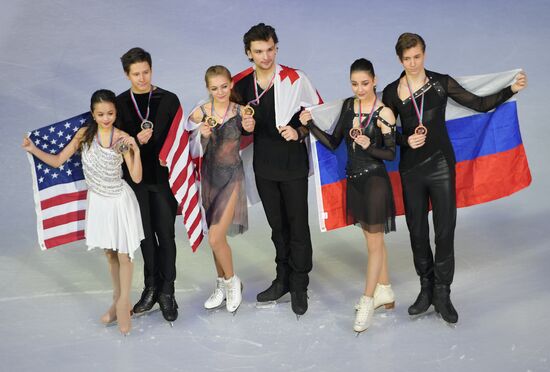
[[257, 100], [110, 139], [419, 113], [370, 115], [212, 111], [136, 105]]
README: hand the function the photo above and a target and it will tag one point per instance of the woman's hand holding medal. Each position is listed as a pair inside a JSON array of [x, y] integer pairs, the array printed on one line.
[[131, 142], [125, 143], [205, 130], [362, 141]]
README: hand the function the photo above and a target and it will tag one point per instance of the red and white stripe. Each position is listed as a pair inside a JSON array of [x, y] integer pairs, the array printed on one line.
[[62, 212], [183, 178]]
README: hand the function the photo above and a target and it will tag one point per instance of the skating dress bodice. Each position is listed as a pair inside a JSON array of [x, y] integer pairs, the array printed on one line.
[[102, 169]]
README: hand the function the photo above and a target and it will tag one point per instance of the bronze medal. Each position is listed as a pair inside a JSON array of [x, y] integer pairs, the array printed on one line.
[[421, 129], [355, 132]]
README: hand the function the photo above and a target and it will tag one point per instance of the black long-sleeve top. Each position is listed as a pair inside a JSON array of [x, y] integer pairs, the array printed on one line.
[[438, 88], [164, 106], [382, 146], [274, 158]]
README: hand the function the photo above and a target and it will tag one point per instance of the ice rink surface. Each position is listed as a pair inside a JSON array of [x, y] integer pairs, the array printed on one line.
[[54, 54]]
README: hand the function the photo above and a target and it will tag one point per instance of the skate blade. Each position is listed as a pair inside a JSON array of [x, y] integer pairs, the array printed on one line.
[[268, 304], [145, 313], [386, 307], [234, 312], [271, 304], [214, 309], [422, 315]]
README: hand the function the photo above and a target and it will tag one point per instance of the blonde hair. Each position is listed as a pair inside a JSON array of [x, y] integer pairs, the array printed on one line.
[[218, 70]]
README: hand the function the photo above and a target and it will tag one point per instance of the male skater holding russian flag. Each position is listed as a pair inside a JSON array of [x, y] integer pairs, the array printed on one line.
[[427, 166]]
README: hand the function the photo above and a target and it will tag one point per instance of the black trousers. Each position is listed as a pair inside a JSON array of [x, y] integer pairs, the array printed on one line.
[[286, 209], [431, 181], [158, 213]]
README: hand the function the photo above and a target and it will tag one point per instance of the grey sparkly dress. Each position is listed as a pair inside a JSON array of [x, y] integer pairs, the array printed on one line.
[[113, 219]]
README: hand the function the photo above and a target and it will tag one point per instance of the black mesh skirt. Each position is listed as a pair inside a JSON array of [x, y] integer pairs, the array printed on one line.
[[369, 200]]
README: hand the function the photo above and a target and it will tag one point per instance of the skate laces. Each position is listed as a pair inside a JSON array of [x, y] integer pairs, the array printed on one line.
[[218, 292], [363, 311]]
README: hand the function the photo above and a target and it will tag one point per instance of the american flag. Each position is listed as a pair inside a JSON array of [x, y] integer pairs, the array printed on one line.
[[59, 193], [184, 180]]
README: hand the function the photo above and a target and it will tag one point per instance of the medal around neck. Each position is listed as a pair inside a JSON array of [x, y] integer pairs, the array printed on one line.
[[211, 121], [248, 110], [355, 132], [147, 124], [421, 129]]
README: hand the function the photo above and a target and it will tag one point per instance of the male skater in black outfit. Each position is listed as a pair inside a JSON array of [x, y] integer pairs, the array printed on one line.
[[280, 161], [427, 166], [146, 112]]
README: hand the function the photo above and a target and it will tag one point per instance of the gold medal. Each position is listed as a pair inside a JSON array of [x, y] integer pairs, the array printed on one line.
[[248, 110], [211, 121]]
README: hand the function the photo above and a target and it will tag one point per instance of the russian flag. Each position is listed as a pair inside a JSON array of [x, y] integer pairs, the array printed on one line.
[[491, 160]]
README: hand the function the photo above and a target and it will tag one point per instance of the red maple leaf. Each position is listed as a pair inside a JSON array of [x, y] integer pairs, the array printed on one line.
[[290, 73]]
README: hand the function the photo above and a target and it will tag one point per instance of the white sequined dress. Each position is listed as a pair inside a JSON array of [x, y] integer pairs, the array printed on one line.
[[113, 219]]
